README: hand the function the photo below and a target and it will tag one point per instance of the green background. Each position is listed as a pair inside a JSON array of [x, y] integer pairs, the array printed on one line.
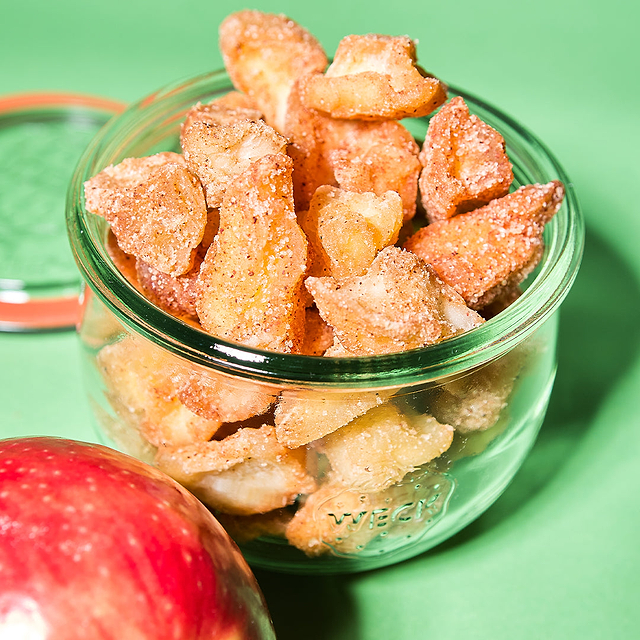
[[558, 555]]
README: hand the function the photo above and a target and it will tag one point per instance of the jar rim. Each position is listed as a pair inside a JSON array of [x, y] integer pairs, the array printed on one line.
[[564, 239]]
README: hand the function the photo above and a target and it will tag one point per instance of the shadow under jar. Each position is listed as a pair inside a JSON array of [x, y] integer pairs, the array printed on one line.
[[477, 400]]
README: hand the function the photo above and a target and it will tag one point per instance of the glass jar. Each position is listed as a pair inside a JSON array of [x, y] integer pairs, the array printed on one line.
[[477, 400]]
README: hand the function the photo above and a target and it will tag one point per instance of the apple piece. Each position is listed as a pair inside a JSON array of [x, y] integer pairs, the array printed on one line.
[[95, 544]]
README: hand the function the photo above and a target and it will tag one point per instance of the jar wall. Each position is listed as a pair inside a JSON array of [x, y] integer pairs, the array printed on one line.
[[319, 464], [365, 477]]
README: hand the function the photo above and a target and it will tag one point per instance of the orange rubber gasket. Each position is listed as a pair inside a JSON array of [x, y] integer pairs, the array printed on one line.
[[21, 101], [36, 315]]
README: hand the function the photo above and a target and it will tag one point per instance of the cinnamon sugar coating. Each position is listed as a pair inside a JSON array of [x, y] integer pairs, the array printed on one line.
[[230, 107], [175, 294], [219, 143], [373, 77], [356, 155], [245, 473], [485, 252], [373, 156], [465, 163], [250, 279], [103, 193], [162, 220], [304, 128], [264, 55], [398, 304]]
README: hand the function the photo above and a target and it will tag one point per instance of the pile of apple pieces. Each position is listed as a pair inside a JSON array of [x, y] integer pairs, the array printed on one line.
[[286, 224]]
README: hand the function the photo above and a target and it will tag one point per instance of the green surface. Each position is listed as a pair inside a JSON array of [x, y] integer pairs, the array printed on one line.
[[557, 557]]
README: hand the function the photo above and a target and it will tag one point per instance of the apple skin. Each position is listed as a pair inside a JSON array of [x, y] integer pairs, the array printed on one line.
[[97, 545]]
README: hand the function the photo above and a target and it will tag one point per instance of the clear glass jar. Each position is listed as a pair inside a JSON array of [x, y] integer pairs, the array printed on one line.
[[146, 369]]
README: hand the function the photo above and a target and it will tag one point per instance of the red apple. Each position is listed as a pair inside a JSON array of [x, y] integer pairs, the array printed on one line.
[[97, 545]]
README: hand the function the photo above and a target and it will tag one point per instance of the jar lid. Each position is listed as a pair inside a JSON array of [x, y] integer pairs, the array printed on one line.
[[42, 136]]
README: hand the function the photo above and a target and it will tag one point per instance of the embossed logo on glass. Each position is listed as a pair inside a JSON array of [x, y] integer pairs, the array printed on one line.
[[367, 524]]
